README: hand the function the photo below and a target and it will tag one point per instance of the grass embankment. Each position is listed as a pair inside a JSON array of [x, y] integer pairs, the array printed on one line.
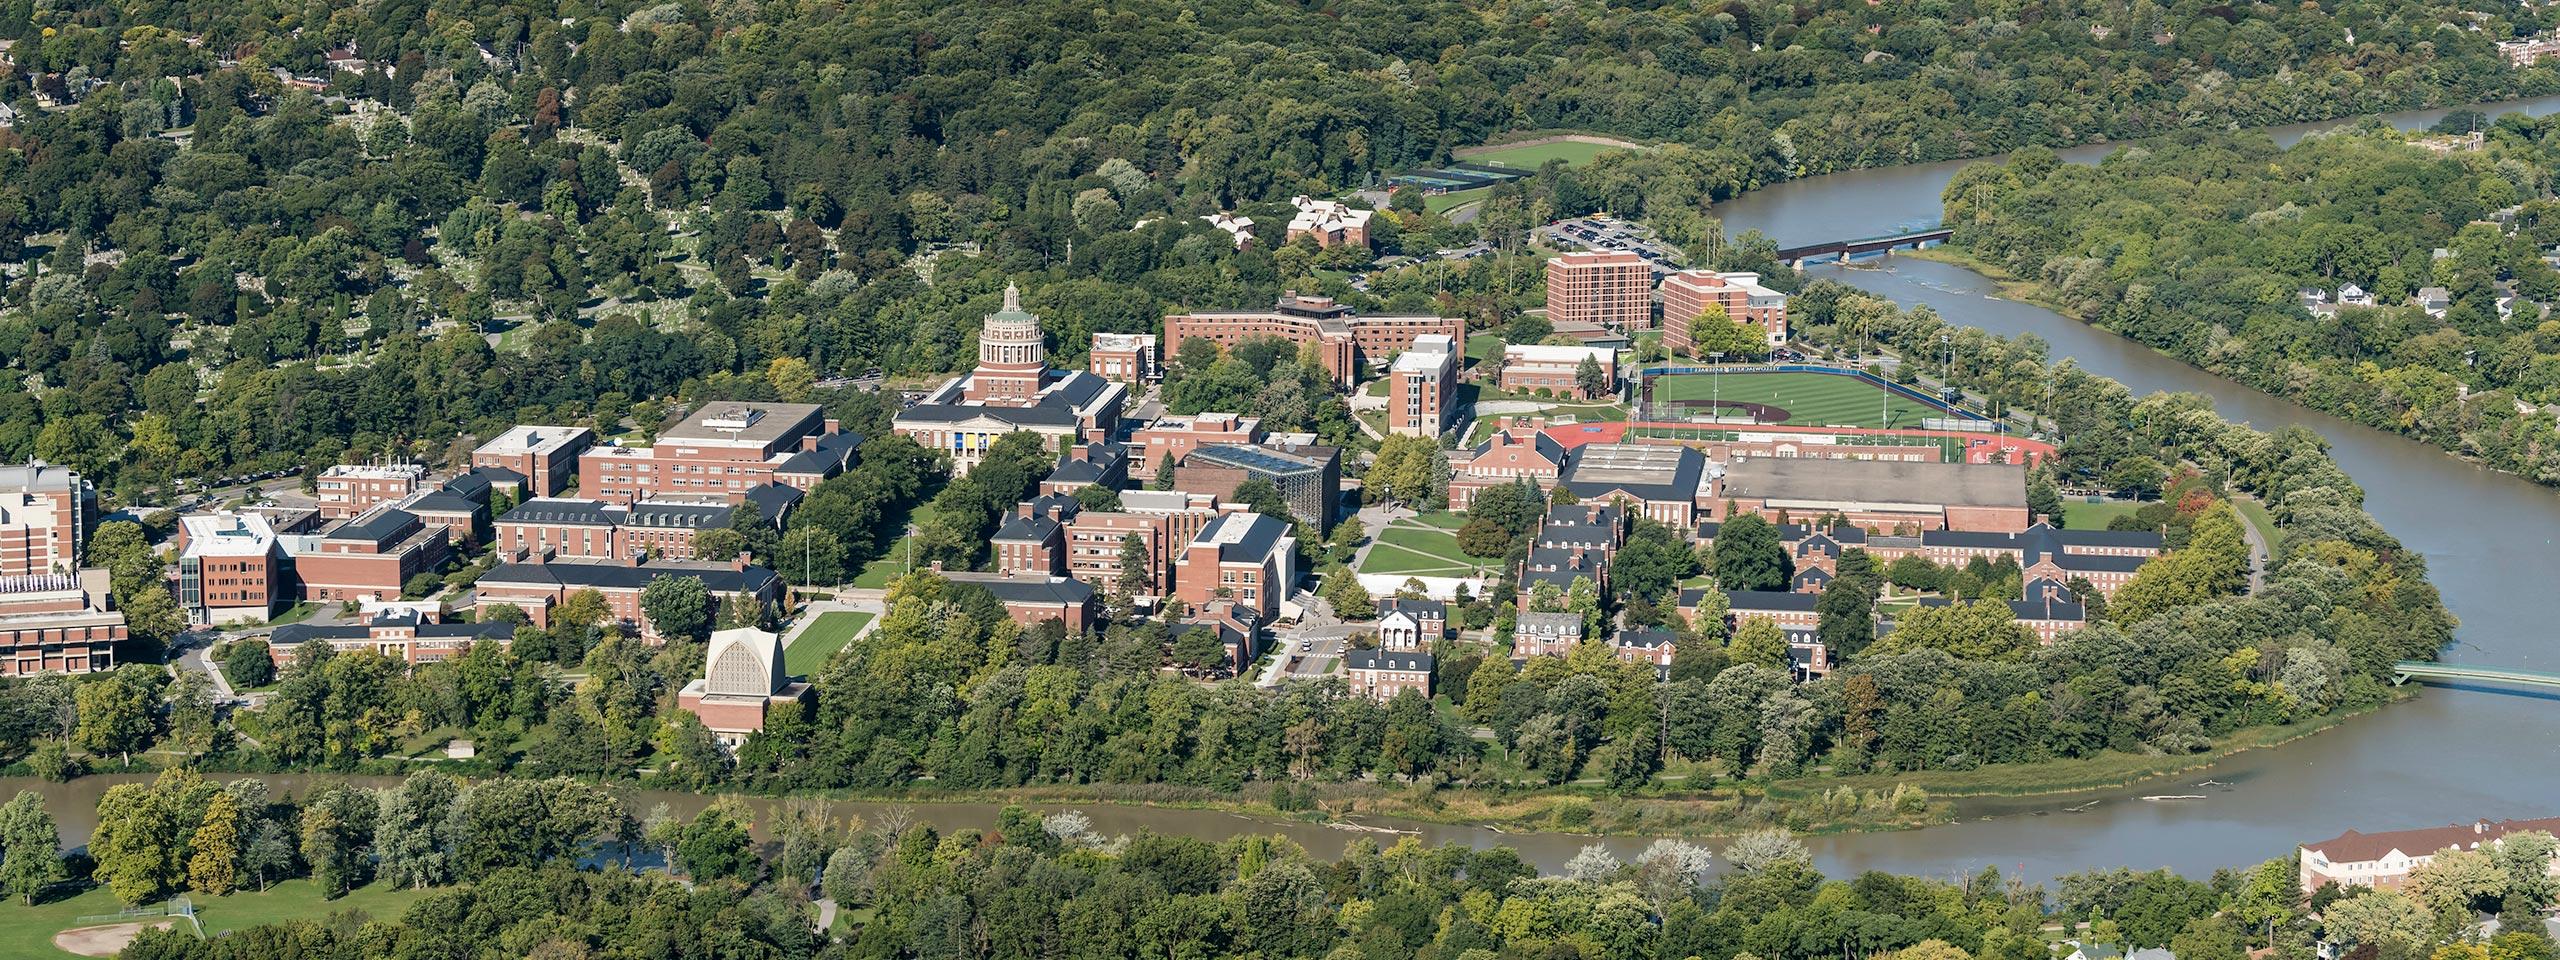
[[825, 635], [2080, 514], [2105, 771], [26, 933], [892, 563]]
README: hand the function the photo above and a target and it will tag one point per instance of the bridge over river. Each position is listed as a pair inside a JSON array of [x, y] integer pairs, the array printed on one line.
[[1798, 256], [2420, 670]]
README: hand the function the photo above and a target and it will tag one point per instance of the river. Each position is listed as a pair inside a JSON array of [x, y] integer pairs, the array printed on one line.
[[2491, 541]]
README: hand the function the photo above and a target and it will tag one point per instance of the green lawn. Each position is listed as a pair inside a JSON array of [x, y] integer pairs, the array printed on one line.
[[1445, 202], [1480, 346], [827, 634], [2080, 514], [1804, 399], [26, 933], [893, 564], [1426, 546], [1533, 157], [2257, 515]]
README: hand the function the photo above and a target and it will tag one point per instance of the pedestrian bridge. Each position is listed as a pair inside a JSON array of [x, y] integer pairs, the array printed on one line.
[[2407, 670], [1844, 249]]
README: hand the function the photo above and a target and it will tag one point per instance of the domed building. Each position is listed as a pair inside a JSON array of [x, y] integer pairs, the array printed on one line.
[[1013, 389]]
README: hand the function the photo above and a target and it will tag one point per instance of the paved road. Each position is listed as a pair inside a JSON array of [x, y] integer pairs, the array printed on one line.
[[2259, 554]]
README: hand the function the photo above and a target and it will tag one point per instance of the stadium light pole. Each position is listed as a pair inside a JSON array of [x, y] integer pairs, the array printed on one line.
[[1715, 382]]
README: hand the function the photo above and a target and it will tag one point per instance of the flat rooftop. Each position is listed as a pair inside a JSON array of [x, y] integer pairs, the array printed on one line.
[[735, 422], [1628, 463], [37, 477], [531, 438], [1877, 481]]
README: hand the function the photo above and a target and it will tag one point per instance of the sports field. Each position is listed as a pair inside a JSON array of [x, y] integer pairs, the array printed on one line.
[[1801, 399], [1534, 156]]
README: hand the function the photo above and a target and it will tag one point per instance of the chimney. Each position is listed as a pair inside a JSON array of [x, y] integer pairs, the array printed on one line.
[[744, 559], [936, 566]]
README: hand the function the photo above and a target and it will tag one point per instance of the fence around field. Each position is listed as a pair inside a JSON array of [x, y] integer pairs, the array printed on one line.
[[180, 907]]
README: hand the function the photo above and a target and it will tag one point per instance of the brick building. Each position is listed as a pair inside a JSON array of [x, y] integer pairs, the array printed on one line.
[[1410, 625], [1033, 541], [1646, 645], [1345, 341], [1246, 557], [2106, 559], [1556, 369], [1668, 484], [1329, 223], [57, 623], [1690, 294], [1176, 437], [595, 530], [546, 457], [1545, 634], [1380, 675], [350, 489], [231, 569], [412, 633], [1030, 599], [368, 558], [1123, 357], [742, 682], [722, 450], [1237, 629], [1418, 386], [1878, 493], [46, 513], [1521, 450], [1612, 289], [1088, 464], [536, 588]]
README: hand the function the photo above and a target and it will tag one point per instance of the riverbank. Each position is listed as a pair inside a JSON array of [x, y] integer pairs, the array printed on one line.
[[2036, 293], [2062, 778]]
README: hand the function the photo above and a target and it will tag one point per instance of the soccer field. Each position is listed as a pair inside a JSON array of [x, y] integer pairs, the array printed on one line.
[[1801, 399], [1535, 156]]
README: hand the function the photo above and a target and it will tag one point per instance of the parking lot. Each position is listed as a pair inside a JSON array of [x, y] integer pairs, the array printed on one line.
[[1608, 234]]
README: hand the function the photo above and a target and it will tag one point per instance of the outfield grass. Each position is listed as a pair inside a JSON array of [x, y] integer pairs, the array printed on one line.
[[1534, 156], [825, 635], [1809, 399], [893, 564], [26, 933]]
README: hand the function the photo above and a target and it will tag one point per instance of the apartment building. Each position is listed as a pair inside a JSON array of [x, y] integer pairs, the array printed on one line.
[[1418, 386], [1613, 289], [1691, 294], [46, 513], [1345, 341]]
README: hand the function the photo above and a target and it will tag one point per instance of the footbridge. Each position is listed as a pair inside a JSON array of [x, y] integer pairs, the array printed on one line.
[[1844, 249], [2407, 670]]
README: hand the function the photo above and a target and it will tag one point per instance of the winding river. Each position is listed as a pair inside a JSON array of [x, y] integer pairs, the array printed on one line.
[[2492, 543]]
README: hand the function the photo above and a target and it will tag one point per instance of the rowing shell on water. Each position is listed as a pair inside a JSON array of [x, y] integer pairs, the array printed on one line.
[[2175, 796]]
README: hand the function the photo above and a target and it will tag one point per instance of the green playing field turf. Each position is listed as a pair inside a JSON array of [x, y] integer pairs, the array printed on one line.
[[1807, 399]]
